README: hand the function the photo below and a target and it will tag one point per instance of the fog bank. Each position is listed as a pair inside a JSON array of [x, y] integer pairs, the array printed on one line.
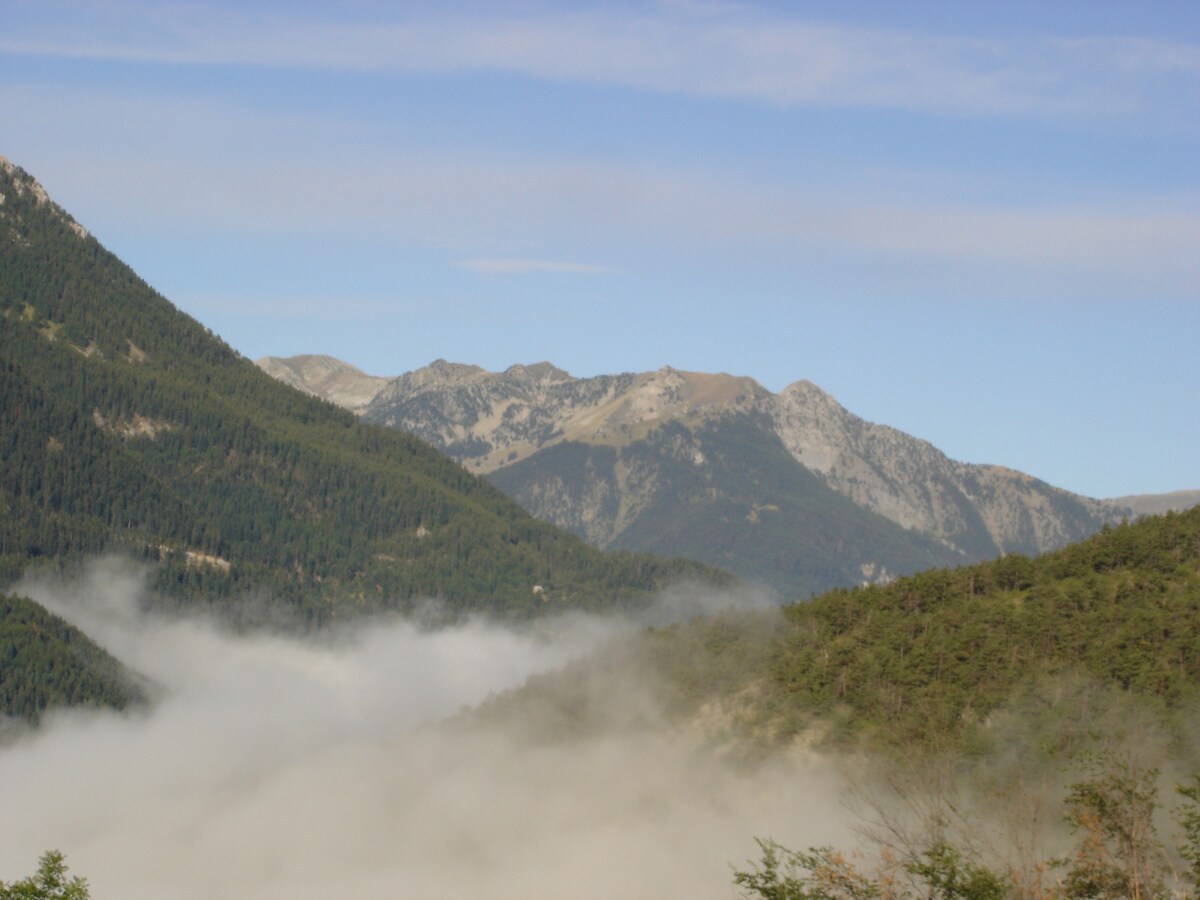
[[275, 767]]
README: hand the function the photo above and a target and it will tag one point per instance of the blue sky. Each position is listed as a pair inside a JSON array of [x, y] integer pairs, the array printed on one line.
[[976, 222]]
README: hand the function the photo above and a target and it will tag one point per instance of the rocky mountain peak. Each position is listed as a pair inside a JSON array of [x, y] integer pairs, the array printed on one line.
[[25, 184], [437, 375], [449, 372], [808, 395], [326, 377], [542, 372], [676, 393]]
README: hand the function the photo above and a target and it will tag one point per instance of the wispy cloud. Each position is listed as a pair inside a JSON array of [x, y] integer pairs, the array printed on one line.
[[517, 266], [278, 182], [741, 54]]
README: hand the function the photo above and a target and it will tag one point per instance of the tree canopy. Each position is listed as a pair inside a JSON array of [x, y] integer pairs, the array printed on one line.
[[51, 882]]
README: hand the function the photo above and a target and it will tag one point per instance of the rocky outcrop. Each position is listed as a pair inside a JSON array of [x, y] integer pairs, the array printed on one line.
[[326, 377], [24, 183], [490, 420], [978, 509]]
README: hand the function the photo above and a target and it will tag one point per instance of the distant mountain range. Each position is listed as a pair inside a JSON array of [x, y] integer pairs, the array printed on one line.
[[1157, 504], [789, 489]]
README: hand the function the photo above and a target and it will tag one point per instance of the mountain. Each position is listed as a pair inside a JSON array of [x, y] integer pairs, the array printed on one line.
[[326, 377], [1157, 504], [789, 488], [127, 426]]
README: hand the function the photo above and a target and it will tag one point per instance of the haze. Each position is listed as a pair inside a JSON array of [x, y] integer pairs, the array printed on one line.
[[276, 767]]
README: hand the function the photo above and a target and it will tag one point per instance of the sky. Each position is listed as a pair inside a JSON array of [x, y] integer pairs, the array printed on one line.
[[975, 222]]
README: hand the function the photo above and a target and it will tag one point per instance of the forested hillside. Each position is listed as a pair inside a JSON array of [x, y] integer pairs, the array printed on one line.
[[126, 425], [936, 653], [928, 660], [1041, 713], [45, 662]]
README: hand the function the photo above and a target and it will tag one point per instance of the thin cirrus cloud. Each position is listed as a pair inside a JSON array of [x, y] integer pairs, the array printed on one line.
[[739, 55], [457, 204], [507, 265]]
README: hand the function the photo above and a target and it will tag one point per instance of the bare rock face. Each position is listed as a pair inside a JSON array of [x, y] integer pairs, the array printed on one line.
[[24, 183], [495, 422], [488, 420], [326, 377], [911, 482]]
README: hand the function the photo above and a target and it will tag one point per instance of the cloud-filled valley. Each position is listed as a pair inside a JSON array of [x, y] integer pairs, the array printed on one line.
[[274, 766]]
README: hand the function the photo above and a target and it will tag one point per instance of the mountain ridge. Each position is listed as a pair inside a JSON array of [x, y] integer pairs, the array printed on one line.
[[330, 379], [503, 424]]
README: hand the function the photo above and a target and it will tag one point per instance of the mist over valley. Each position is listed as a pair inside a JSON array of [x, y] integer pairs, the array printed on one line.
[[273, 766]]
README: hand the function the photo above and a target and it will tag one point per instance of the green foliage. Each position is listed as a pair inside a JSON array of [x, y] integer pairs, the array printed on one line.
[[939, 871], [1188, 817], [820, 874], [931, 659], [927, 662], [1118, 854], [935, 653], [50, 883], [45, 662], [946, 872], [125, 425]]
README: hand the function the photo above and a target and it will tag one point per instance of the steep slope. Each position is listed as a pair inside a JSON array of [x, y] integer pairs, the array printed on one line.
[[587, 454], [982, 510], [724, 491], [49, 663], [490, 421], [127, 425]]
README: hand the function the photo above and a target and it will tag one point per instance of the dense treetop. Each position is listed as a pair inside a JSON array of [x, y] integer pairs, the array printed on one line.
[[931, 659], [45, 662]]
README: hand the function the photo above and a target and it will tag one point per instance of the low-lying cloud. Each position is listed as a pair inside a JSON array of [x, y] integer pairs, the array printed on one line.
[[279, 767]]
